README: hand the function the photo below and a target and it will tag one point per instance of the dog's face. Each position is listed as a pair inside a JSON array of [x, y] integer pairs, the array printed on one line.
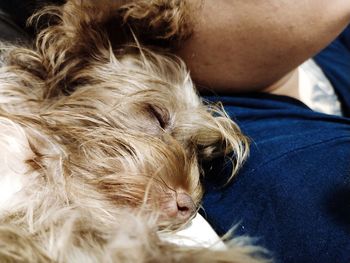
[[130, 128], [101, 146], [135, 134]]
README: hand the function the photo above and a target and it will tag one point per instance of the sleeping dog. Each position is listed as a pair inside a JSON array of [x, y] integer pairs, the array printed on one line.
[[102, 141]]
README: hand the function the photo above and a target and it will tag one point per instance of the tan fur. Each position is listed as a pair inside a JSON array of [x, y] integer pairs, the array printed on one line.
[[110, 139]]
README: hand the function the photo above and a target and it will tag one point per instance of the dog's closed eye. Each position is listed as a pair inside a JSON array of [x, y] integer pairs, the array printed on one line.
[[160, 115]]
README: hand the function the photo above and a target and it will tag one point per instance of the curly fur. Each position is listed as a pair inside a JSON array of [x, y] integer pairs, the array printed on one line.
[[97, 144]]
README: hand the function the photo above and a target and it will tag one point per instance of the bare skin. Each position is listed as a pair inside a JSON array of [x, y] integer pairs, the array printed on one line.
[[288, 85], [249, 45]]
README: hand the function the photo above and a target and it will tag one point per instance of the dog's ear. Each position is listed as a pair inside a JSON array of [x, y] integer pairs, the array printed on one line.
[[83, 32], [211, 133], [164, 23], [84, 25], [70, 38]]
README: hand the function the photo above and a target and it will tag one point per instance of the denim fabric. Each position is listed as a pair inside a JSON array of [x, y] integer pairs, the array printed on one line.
[[293, 193]]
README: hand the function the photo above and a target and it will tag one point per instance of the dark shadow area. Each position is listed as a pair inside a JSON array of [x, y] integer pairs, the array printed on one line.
[[338, 206]]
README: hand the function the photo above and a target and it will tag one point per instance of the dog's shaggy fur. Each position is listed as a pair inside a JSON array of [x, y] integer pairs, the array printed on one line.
[[101, 144]]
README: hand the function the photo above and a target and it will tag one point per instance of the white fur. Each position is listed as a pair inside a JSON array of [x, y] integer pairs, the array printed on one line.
[[14, 152]]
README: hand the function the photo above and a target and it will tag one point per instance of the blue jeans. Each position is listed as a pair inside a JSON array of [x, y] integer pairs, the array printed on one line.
[[293, 193]]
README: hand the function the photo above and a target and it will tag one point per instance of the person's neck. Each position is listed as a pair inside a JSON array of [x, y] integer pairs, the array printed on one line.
[[288, 85]]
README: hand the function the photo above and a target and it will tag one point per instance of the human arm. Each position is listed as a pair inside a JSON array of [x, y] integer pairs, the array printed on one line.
[[245, 45]]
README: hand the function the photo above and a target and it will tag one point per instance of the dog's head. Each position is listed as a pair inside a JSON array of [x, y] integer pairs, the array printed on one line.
[[132, 130]]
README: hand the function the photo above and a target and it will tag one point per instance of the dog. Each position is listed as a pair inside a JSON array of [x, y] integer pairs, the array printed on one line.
[[102, 141]]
